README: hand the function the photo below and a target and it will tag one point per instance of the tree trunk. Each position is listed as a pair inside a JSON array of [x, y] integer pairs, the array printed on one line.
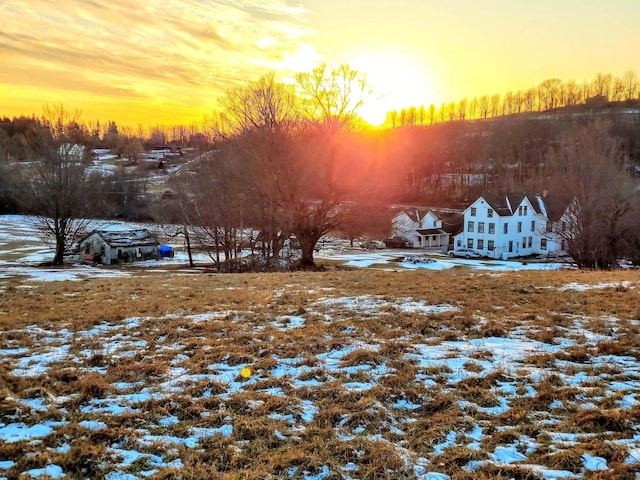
[[59, 256], [307, 245], [188, 242]]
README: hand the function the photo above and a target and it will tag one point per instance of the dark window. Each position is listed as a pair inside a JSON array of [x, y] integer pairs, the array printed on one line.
[[492, 228]]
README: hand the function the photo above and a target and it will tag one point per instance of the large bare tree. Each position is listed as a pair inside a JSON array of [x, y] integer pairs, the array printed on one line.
[[587, 173], [284, 148], [54, 182]]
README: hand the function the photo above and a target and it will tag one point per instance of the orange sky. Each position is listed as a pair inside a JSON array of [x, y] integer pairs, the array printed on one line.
[[167, 62]]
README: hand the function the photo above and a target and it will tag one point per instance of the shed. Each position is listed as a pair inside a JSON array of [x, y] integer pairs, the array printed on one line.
[[123, 246]]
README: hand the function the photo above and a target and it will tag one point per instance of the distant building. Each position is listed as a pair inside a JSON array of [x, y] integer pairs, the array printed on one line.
[[72, 152], [113, 247]]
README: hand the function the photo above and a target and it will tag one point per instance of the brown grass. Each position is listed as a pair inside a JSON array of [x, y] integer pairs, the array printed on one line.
[[188, 325]]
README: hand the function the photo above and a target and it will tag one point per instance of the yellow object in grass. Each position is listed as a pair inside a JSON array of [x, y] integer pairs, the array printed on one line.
[[245, 372]]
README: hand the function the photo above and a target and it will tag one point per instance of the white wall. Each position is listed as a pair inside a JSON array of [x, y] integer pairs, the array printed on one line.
[[520, 238]]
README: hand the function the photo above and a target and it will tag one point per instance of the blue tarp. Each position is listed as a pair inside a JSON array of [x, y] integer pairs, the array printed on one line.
[[165, 251]]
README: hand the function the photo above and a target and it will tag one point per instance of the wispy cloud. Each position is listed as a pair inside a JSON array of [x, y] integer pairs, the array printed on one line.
[[178, 49]]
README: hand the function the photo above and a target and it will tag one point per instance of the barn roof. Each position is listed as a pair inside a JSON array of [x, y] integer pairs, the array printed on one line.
[[127, 238]]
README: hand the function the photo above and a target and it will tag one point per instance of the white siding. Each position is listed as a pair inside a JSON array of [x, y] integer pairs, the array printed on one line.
[[486, 234]]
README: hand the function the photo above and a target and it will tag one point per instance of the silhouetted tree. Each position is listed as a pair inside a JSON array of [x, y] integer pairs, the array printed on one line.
[[54, 184], [587, 173]]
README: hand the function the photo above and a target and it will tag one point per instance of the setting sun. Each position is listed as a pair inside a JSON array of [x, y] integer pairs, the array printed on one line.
[[397, 81]]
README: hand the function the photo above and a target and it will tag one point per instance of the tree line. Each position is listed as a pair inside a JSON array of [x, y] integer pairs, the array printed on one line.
[[282, 163], [549, 95]]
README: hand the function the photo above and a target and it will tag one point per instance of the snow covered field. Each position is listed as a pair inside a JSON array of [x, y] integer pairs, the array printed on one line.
[[448, 374]]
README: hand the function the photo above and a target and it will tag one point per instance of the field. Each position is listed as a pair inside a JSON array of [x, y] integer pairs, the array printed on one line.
[[350, 373]]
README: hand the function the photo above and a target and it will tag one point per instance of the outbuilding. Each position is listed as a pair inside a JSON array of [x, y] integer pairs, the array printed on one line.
[[123, 246]]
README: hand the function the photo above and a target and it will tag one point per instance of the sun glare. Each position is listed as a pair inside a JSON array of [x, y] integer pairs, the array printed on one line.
[[397, 80]]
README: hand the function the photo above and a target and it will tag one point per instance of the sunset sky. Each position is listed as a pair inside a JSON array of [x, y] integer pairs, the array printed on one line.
[[168, 61]]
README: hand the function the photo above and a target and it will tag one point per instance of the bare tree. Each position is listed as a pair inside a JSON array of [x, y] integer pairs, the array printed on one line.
[[587, 171], [549, 93], [333, 96], [265, 103], [602, 85], [55, 182], [432, 113], [631, 85]]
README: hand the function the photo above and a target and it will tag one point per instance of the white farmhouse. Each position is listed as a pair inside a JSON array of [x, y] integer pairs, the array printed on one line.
[[423, 228], [72, 152], [507, 226]]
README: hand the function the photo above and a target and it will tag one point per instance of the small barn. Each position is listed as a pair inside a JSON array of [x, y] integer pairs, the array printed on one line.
[[125, 246]]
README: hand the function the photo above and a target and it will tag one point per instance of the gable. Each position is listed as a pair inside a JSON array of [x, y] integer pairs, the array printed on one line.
[[507, 205]]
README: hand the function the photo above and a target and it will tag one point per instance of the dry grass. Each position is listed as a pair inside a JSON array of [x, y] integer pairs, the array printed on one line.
[[334, 388]]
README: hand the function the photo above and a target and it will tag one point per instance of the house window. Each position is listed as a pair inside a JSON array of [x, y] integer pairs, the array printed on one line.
[[524, 242], [524, 209], [480, 227], [530, 243], [520, 210], [491, 245], [543, 244], [473, 211], [470, 226], [480, 244], [506, 228], [533, 225], [489, 212], [549, 226], [469, 242], [510, 245], [519, 227], [492, 228]]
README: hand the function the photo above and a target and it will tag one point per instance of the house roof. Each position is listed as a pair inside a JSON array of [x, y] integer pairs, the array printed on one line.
[[555, 207], [417, 214], [431, 231], [126, 238], [505, 205]]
